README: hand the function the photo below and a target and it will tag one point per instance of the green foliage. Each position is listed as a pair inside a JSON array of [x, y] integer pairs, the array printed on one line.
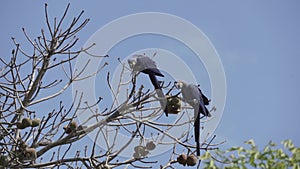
[[251, 157]]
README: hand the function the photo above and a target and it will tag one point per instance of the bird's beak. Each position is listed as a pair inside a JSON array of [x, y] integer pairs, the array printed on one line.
[[130, 63]]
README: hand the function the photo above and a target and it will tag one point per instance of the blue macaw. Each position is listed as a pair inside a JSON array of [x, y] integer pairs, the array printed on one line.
[[193, 96], [142, 63]]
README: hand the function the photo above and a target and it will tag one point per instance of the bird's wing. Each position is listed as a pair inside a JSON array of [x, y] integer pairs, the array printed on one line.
[[202, 109], [202, 102], [205, 99], [190, 92], [192, 95], [147, 65], [154, 71]]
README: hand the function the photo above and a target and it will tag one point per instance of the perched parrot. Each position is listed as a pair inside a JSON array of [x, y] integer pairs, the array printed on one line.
[[192, 95], [141, 63]]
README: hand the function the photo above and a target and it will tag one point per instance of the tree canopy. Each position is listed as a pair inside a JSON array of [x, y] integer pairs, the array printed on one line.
[[40, 78], [250, 156]]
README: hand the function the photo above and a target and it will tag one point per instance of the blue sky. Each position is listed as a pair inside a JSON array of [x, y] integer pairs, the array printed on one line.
[[258, 43]]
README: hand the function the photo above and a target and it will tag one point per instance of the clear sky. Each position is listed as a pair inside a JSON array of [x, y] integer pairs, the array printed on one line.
[[258, 43]]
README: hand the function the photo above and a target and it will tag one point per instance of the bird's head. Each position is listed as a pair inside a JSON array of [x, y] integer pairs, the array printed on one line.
[[132, 62], [179, 84]]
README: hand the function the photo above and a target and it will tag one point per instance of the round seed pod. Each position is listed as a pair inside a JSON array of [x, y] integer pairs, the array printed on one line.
[[35, 122], [139, 149], [144, 152], [73, 125], [136, 155], [20, 125], [191, 160], [150, 145], [174, 105], [182, 159], [175, 100], [26, 122], [67, 129]]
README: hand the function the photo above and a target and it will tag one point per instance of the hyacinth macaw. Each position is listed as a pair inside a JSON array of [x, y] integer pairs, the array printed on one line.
[[144, 64], [192, 95]]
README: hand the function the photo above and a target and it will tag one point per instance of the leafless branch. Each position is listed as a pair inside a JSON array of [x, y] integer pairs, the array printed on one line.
[[40, 128]]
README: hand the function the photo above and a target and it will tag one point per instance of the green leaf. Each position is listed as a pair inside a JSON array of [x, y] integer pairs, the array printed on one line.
[[288, 144], [233, 148], [272, 144], [296, 166], [280, 165], [251, 142], [269, 157], [212, 165], [252, 161]]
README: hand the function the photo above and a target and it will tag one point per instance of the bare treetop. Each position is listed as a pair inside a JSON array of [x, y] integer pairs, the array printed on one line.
[[33, 139]]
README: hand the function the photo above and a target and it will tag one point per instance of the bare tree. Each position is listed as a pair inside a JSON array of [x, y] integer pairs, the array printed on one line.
[[30, 139]]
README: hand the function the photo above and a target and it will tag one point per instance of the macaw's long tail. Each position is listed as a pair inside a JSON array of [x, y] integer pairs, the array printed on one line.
[[203, 110], [160, 94], [197, 131]]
